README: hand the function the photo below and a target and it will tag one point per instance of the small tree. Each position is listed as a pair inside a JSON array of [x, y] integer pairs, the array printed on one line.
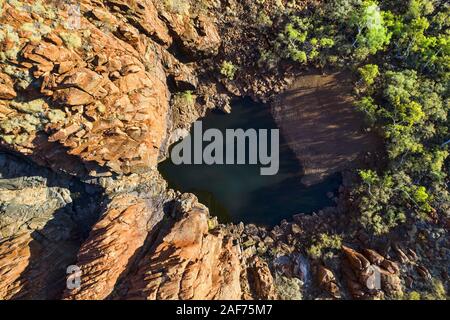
[[369, 73]]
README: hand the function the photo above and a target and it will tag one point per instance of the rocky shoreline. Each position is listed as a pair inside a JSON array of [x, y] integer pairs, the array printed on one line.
[[87, 113]]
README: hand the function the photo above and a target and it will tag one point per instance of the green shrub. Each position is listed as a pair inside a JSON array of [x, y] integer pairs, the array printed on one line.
[[185, 98], [438, 291], [323, 242], [228, 70], [302, 42], [413, 295], [268, 59], [37, 30], [369, 73], [288, 288], [33, 106]]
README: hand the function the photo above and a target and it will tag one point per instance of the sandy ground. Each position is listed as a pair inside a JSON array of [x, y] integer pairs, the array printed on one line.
[[318, 120]]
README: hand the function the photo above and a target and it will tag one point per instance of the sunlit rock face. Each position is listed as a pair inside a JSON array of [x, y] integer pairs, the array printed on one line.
[[111, 245], [198, 262], [84, 90], [84, 86], [44, 218]]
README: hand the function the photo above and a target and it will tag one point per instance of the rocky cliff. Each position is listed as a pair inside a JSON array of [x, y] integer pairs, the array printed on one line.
[[90, 90], [91, 95]]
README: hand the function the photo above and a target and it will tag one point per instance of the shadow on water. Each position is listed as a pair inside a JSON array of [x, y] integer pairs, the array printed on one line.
[[237, 193]]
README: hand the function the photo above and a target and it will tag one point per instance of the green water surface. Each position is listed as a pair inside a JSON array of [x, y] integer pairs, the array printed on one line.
[[238, 193]]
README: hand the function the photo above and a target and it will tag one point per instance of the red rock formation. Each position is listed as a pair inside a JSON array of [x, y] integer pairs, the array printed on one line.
[[189, 262], [32, 267], [327, 281], [364, 272], [112, 243], [108, 100], [6, 87], [102, 104], [197, 32], [14, 257], [262, 279]]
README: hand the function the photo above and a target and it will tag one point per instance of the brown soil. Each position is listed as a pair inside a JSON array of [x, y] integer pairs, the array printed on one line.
[[319, 121]]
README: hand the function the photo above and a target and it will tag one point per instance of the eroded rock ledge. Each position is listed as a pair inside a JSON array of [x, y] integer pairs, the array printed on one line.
[[92, 97]]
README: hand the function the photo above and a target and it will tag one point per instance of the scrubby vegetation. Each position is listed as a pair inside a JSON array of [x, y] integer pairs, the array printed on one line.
[[406, 100], [324, 242], [185, 99], [228, 70], [437, 292], [288, 288], [400, 55]]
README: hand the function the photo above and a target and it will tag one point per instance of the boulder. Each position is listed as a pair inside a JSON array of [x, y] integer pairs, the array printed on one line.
[[263, 282], [369, 275], [327, 281], [6, 87]]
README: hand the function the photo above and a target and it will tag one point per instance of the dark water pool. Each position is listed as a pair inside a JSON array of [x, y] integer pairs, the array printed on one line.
[[237, 193]]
